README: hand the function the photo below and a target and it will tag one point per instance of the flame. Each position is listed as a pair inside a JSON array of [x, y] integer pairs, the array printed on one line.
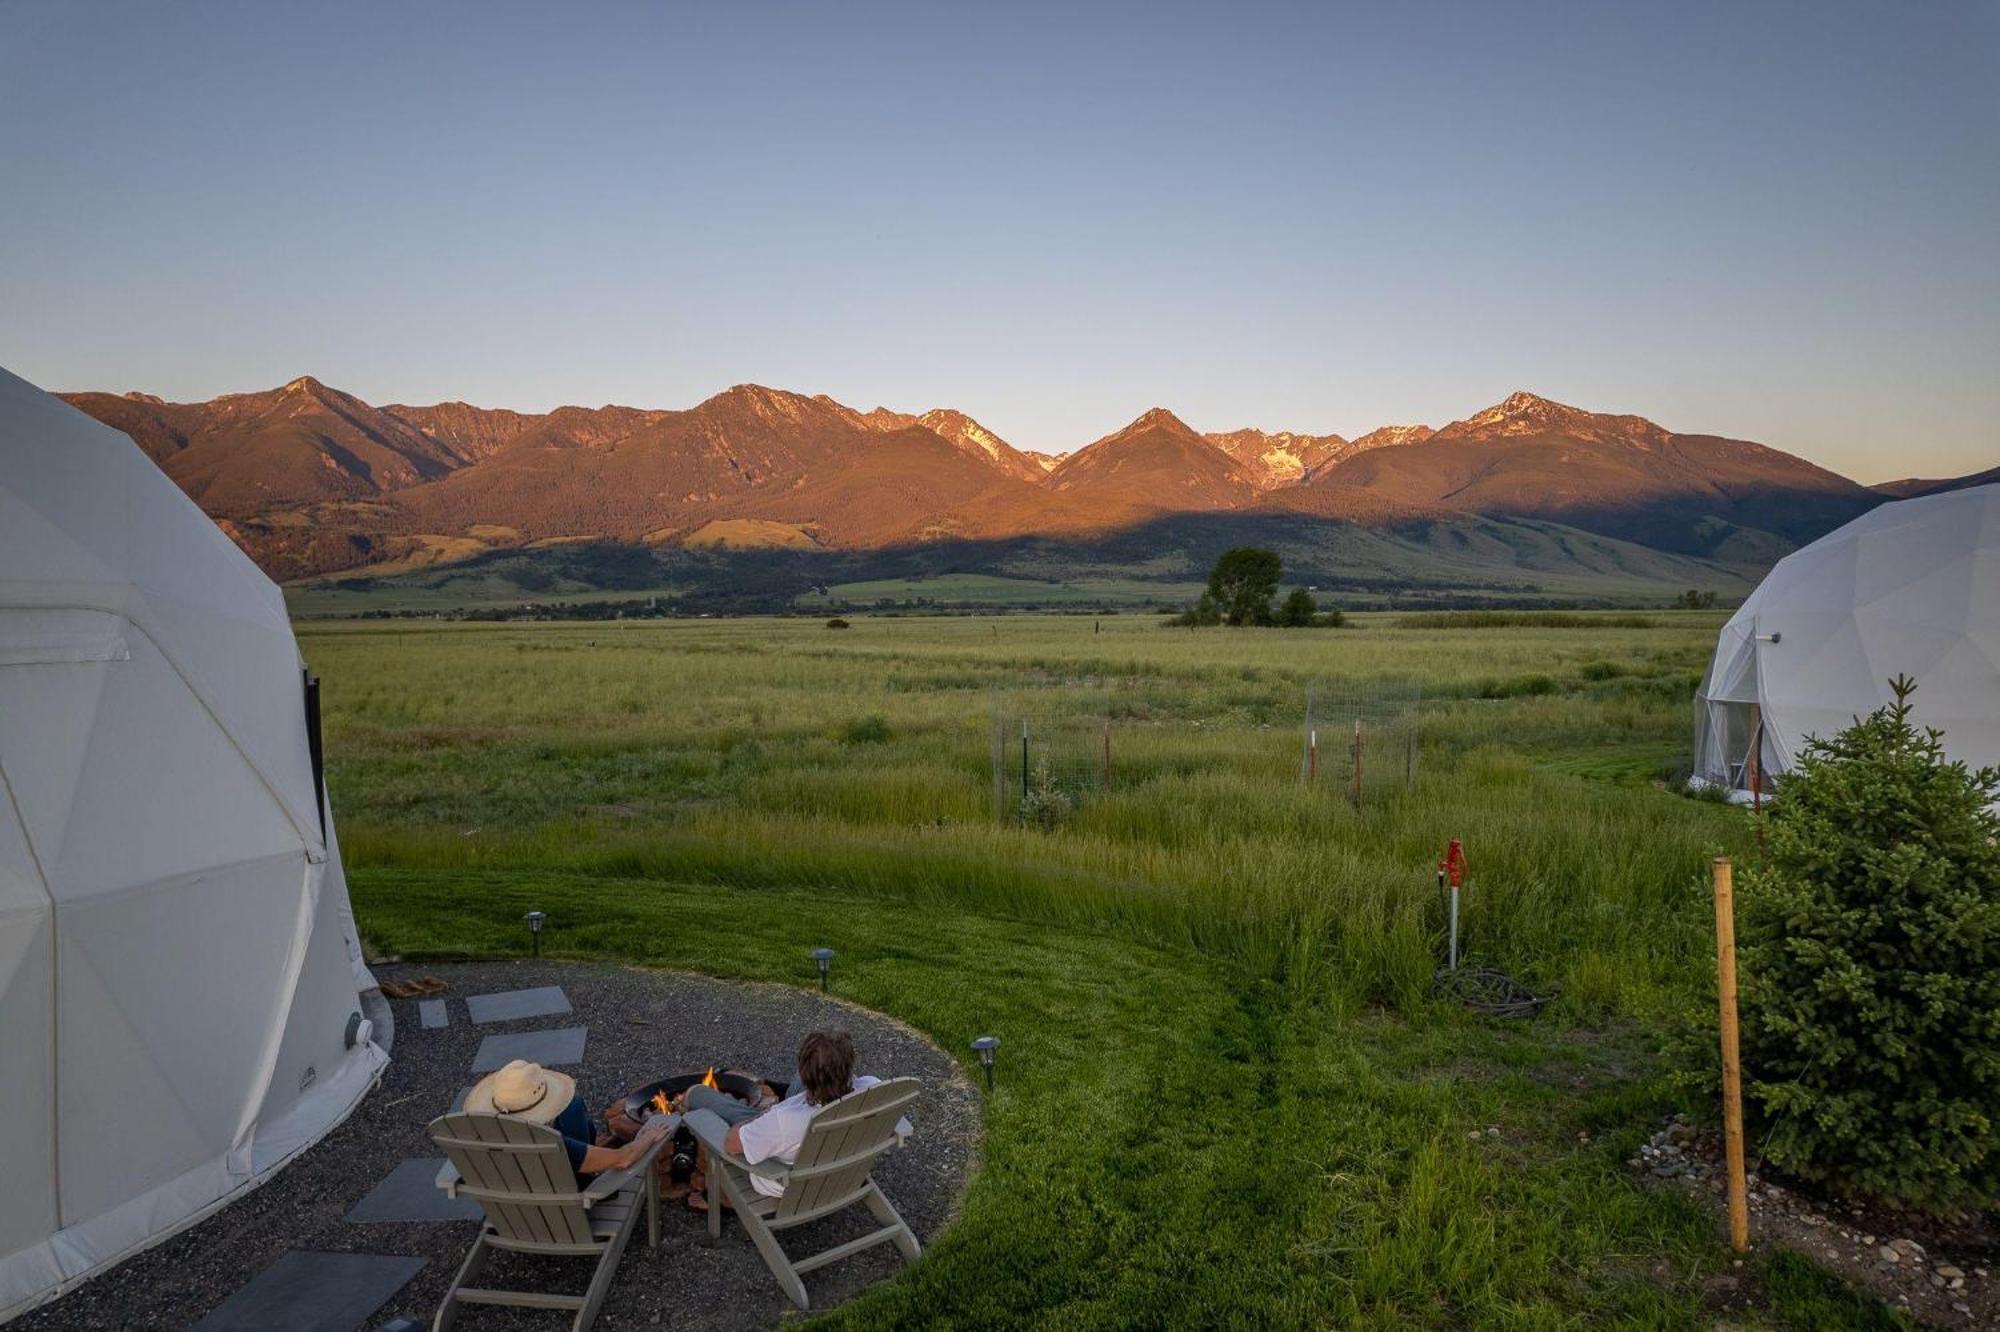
[[708, 1079], [659, 1102]]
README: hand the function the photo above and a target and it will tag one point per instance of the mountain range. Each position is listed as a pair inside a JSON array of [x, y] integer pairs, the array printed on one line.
[[312, 480]]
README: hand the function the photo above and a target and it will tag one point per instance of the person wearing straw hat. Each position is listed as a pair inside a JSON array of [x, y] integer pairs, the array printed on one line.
[[538, 1095]]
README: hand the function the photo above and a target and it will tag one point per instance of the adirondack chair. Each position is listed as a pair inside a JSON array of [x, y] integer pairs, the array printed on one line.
[[832, 1172], [520, 1174]]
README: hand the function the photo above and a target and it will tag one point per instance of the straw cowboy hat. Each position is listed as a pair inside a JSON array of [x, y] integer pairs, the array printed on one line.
[[523, 1091]]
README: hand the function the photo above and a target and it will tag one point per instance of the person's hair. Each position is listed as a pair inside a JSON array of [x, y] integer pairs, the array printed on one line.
[[826, 1066]]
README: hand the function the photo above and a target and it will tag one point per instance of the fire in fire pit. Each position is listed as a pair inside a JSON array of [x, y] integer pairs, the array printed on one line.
[[642, 1103]]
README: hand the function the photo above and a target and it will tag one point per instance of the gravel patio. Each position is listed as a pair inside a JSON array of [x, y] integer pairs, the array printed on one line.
[[640, 1025]]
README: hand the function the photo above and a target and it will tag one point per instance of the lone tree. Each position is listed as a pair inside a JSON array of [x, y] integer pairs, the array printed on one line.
[[1242, 584], [1871, 968]]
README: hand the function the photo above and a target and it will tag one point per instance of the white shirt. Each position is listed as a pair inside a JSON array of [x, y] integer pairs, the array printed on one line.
[[778, 1134]]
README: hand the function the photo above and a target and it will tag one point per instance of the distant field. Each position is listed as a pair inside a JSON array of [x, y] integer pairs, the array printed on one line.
[[324, 598], [948, 590], [739, 566]]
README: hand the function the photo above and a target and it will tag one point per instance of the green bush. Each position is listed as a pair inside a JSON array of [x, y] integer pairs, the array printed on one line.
[[1871, 968], [1297, 610], [869, 730], [1200, 615], [1520, 686]]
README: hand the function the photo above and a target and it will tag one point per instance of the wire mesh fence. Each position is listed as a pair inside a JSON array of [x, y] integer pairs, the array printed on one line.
[[1359, 740], [1360, 737], [1043, 765]]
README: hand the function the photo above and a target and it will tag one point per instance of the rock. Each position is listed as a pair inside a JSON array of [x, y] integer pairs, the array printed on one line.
[[1666, 1171], [1888, 1254], [1869, 1240], [1949, 1273], [1909, 1248]]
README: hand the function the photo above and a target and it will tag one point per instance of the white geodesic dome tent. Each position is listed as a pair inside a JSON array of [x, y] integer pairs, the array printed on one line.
[[1910, 588], [179, 977]]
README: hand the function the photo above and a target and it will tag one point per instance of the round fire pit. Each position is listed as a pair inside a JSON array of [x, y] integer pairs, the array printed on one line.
[[638, 1105]]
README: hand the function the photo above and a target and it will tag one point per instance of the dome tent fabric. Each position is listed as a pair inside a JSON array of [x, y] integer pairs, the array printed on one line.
[[1910, 588], [180, 978]]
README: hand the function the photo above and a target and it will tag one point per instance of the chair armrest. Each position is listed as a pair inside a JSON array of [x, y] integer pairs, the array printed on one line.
[[903, 1131], [611, 1181], [447, 1179], [711, 1132]]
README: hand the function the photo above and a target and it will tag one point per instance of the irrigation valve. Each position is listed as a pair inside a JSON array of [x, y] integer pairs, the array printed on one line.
[[824, 956], [1452, 868], [535, 919], [986, 1045]]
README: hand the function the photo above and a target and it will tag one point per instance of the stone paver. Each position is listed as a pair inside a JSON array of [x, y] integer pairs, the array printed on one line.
[[513, 1005], [410, 1193], [550, 1048], [305, 1291], [431, 1012]]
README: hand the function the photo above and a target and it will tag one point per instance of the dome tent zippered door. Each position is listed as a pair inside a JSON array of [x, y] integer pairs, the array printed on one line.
[[179, 975], [1910, 588]]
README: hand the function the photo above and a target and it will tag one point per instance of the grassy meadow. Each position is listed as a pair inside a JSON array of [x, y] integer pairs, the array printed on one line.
[[1226, 1097]]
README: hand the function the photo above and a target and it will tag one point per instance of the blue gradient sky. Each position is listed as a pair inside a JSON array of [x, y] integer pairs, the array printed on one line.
[[1776, 222]]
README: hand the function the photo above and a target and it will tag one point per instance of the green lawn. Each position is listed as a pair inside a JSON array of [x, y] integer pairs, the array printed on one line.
[[1226, 1098]]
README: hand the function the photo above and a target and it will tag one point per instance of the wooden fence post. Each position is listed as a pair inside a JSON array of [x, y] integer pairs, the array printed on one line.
[[1732, 1067]]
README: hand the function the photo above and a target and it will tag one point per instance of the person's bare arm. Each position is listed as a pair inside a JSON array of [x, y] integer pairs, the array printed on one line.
[[597, 1160]]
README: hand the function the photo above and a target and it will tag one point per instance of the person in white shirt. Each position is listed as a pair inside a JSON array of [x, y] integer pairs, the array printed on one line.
[[825, 1074]]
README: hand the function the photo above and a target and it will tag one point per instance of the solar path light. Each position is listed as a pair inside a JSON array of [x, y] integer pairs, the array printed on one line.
[[986, 1045], [824, 956], [535, 919]]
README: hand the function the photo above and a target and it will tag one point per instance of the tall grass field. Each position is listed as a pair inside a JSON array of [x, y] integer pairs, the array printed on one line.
[[1227, 1097]]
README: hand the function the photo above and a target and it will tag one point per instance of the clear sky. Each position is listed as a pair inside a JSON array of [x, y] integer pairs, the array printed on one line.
[[1775, 222]]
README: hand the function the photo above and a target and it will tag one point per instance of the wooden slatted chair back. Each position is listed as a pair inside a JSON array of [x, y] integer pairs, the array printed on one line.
[[841, 1146], [518, 1172]]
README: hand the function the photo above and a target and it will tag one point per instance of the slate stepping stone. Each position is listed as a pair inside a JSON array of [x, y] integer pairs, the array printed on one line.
[[558, 1045], [513, 1005], [306, 1291], [410, 1193], [431, 1013]]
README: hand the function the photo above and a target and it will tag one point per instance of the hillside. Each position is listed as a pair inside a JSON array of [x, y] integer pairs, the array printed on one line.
[[1157, 464], [1911, 487], [1280, 458], [1620, 476]]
